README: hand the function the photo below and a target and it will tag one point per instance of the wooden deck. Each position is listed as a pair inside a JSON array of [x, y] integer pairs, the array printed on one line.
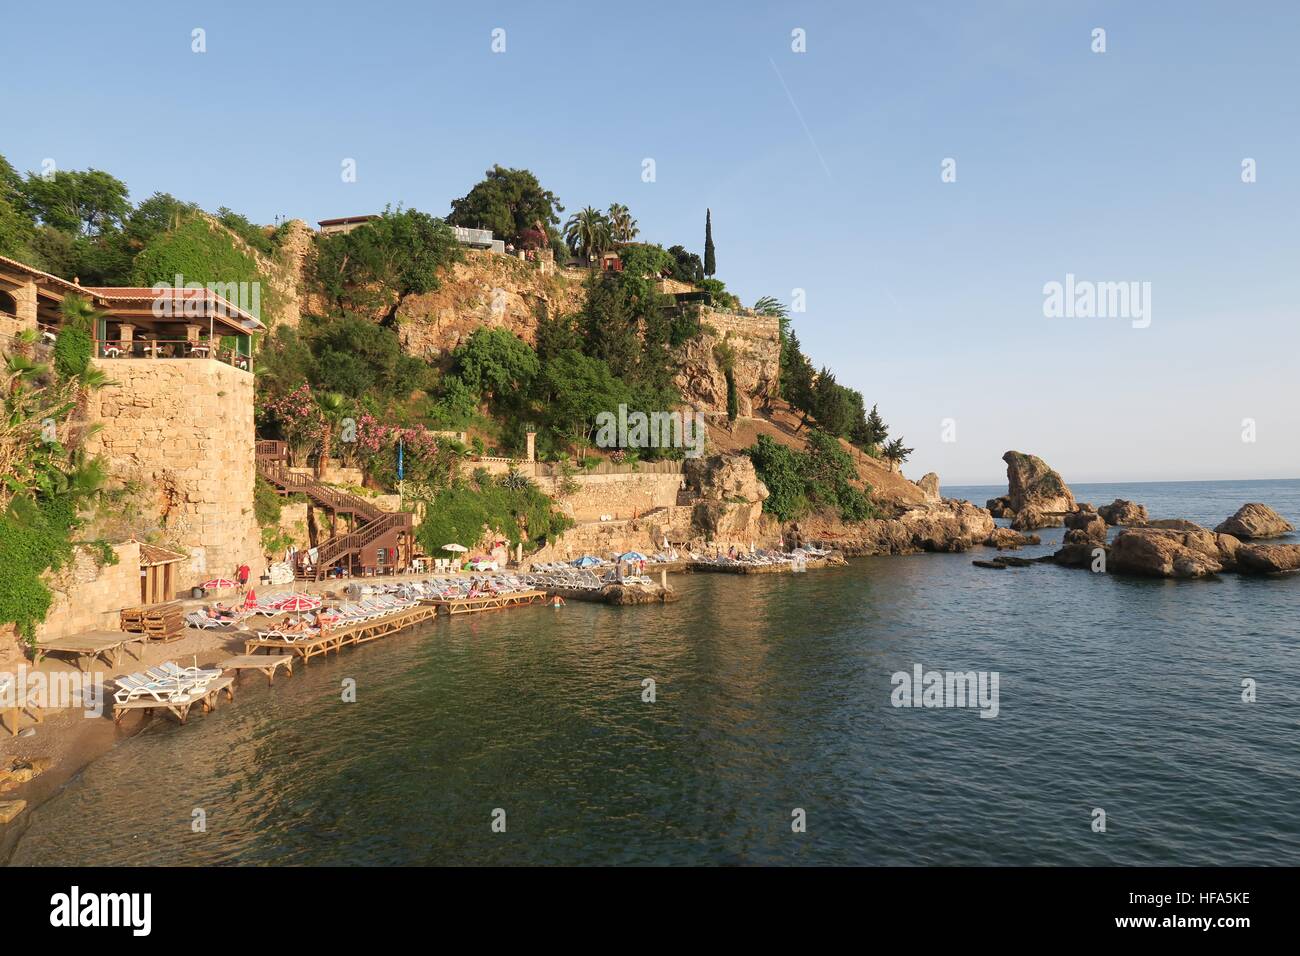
[[487, 602], [336, 638], [180, 706], [91, 645], [266, 664]]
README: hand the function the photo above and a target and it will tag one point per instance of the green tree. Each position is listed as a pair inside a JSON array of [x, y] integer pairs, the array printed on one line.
[[896, 452], [574, 389], [509, 202], [687, 266], [159, 213], [496, 363], [81, 202], [622, 227], [710, 259], [587, 233], [876, 431], [376, 266], [832, 405]]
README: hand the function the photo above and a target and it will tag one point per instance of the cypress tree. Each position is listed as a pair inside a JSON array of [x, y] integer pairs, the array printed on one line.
[[710, 265]]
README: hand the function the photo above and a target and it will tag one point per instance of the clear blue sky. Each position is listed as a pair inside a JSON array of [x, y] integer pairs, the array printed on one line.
[[926, 296]]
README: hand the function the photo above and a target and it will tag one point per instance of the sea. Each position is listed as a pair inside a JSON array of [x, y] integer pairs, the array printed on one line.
[[759, 720]]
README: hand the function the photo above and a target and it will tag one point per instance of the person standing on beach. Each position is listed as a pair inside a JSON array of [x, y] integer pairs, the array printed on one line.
[[242, 574]]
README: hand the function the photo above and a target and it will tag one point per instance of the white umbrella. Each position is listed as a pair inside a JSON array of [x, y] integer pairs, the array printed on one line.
[[454, 547]]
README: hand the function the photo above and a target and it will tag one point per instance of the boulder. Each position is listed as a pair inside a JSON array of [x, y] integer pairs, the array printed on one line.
[[1174, 524], [1078, 552], [723, 478], [1163, 553], [1030, 482], [1255, 520], [1007, 538], [929, 485], [1086, 526], [1122, 512], [1268, 558], [1031, 517], [9, 809], [1000, 507]]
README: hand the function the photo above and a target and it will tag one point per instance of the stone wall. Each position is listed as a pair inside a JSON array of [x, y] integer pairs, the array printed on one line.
[[185, 429], [88, 596], [24, 316], [622, 496]]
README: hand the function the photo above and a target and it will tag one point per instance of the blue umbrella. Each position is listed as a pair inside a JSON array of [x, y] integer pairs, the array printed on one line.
[[586, 561], [633, 556]]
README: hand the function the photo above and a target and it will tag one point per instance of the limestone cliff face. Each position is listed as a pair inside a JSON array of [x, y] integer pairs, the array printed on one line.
[[727, 500], [754, 345], [486, 290]]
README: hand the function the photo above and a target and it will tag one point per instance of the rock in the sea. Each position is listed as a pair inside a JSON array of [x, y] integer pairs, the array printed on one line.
[[1000, 507], [1031, 517], [1255, 520], [1174, 524], [1030, 482], [1165, 553], [929, 485], [1268, 558], [1007, 538], [1124, 512], [1085, 526]]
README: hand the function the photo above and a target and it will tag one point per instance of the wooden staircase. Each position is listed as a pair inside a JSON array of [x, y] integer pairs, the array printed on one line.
[[373, 528]]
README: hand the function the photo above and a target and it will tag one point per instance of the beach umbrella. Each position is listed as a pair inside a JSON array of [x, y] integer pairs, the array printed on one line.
[[250, 599], [454, 547], [219, 584], [586, 561], [298, 602], [633, 556]]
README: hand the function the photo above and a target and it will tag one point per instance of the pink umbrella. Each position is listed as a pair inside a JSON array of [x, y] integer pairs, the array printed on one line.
[[299, 602], [218, 584]]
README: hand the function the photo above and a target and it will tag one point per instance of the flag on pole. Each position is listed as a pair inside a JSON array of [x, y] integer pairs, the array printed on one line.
[[400, 470]]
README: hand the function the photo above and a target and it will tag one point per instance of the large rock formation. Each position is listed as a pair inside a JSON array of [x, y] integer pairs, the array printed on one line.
[[1122, 512], [1255, 520], [749, 344], [929, 485], [1000, 507], [728, 499], [1032, 517], [951, 525], [1268, 558], [1031, 483], [1156, 552]]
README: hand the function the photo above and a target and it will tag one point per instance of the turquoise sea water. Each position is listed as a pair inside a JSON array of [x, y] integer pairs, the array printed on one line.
[[773, 693]]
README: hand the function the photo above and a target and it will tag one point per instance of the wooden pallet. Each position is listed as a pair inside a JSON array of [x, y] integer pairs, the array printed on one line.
[[162, 623]]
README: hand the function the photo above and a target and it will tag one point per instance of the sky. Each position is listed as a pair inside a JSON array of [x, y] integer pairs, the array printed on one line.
[[823, 169]]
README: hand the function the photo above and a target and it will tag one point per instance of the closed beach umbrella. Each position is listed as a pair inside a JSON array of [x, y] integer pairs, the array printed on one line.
[[218, 584], [250, 599]]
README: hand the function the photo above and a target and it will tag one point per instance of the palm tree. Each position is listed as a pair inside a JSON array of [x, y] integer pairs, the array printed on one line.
[[622, 227], [332, 406], [587, 233]]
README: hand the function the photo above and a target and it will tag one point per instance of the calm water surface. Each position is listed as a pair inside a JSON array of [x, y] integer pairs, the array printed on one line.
[[773, 693]]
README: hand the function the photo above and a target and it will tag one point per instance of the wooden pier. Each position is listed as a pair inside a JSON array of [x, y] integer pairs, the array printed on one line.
[[179, 706], [486, 602], [336, 638]]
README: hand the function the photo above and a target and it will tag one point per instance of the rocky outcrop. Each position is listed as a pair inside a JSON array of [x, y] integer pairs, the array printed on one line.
[[1000, 507], [1155, 552], [949, 526], [1268, 558], [749, 345], [1123, 512], [1255, 520], [1085, 526], [1174, 524], [1032, 517], [1006, 538], [1031, 483], [929, 485], [728, 499]]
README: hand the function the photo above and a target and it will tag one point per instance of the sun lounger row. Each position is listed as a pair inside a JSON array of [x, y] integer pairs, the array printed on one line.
[[164, 683]]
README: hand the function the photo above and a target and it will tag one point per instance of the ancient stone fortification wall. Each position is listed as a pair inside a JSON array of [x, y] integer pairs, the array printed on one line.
[[486, 289], [185, 429], [88, 596], [619, 495]]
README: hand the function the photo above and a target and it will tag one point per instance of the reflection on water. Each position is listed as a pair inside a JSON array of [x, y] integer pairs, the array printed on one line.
[[772, 693]]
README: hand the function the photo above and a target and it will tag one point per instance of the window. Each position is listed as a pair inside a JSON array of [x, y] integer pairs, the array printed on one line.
[[8, 304]]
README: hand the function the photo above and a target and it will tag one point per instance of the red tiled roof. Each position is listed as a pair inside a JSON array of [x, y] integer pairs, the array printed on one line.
[[345, 219], [148, 294]]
